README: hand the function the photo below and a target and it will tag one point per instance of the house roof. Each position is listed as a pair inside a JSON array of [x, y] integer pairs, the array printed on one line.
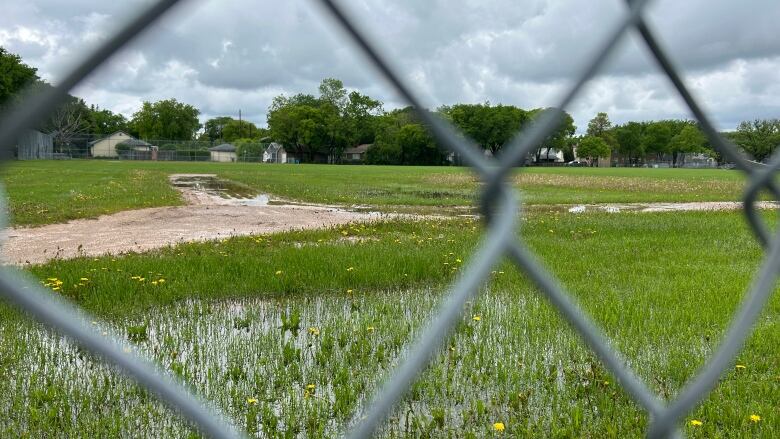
[[274, 147], [109, 136], [134, 142], [225, 147], [360, 149]]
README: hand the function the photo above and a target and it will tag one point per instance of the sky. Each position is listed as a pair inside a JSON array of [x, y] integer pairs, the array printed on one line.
[[222, 56]]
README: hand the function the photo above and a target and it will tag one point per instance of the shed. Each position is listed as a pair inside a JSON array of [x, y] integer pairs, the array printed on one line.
[[225, 152], [275, 153], [34, 144]]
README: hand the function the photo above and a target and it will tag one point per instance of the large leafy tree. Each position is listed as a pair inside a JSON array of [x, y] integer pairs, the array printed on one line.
[[301, 124], [14, 76], [593, 147], [560, 138], [103, 122], [599, 125], [491, 127], [758, 138], [629, 140], [689, 139], [239, 129], [212, 129], [167, 119], [403, 140], [360, 118], [323, 126], [655, 138]]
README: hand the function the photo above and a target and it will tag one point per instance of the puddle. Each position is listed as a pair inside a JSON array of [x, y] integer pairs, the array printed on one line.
[[223, 191]]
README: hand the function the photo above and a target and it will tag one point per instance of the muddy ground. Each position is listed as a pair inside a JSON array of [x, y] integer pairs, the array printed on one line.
[[218, 209], [207, 216]]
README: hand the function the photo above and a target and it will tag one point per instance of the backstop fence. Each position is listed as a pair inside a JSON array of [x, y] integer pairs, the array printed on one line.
[[500, 209]]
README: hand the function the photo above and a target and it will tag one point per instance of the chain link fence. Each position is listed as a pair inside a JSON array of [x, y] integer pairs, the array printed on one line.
[[500, 209]]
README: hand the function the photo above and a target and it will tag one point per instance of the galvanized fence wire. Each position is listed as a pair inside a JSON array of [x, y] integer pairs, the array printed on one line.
[[500, 208]]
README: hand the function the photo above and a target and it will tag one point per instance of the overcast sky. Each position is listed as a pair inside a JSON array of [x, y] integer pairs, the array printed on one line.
[[222, 56]]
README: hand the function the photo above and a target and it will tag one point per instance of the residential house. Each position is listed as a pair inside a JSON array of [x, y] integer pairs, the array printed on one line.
[[275, 153], [106, 147], [225, 152], [356, 154]]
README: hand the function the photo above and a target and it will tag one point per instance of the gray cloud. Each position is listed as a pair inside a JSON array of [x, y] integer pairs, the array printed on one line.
[[222, 56]]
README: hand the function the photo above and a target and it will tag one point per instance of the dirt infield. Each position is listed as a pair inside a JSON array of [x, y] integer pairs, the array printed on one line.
[[208, 216]]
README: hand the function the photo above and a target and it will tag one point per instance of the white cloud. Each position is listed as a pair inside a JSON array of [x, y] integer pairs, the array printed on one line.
[[223, 56]]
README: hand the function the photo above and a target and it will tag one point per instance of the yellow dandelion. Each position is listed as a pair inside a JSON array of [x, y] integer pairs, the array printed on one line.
[[278, 272], [351, 269], [755, 418], [498, 426], [251, 401], [311, 386], [349, 291], [696, 423], [314, 331], [84, 279], [162, 281], [740, 367], [154, 282], [477, 318], [370, 329]]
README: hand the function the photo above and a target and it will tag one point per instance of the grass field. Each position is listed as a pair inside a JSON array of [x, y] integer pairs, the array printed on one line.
[[43, 192], [289, 333]]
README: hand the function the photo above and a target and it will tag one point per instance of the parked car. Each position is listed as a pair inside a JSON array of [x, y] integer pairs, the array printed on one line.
[[577, 163]]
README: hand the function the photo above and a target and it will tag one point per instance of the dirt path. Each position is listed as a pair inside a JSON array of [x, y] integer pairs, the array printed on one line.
[[218, 209], [208, 216]]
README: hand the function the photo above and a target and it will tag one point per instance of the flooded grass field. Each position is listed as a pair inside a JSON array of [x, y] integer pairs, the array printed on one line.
[[290, 334], [45, 192], [286, 368]]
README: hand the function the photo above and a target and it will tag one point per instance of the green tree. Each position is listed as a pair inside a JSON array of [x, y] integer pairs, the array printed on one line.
[[655, 138], [167, 119], [560, 138], [758, 138], [689, 139], [104, 122], [314, 127], [629, 140], [593, 147], [14, 76], [599, 125], [237, 129], [360, 116], [249, 149], [491, 127], [212, 129], [332, 91], [403, 140]]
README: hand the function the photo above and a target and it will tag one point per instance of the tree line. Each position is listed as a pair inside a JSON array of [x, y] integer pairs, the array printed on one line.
[[319, 128]]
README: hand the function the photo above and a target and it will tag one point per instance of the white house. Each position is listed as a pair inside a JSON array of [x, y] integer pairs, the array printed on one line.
[[275, 153], [223, 153]]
